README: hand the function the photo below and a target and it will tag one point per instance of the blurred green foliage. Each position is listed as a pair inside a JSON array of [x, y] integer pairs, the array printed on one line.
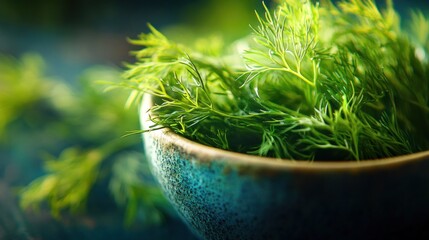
[[22, 84], [130, 189], [231, 19], [68, 182], [87, 125]]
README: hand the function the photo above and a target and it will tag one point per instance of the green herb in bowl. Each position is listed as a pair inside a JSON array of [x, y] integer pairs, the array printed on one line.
[[312, 82]]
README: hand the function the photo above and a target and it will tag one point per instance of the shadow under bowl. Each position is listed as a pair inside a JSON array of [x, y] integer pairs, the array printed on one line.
[[226, 195]]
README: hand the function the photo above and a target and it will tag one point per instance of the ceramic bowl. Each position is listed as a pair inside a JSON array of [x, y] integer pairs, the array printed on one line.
[[226, 195]]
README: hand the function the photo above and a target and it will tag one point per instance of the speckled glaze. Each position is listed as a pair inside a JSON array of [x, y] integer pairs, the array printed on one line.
[[225, 195]]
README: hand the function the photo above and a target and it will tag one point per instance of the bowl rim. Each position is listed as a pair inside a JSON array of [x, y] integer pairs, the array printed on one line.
[[206, 153]]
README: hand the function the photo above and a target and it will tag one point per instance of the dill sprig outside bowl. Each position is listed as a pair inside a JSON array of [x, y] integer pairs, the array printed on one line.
[[315, 126]]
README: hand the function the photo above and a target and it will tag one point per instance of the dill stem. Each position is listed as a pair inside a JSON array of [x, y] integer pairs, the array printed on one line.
[[285, 63], [295, 73], [314, 72]]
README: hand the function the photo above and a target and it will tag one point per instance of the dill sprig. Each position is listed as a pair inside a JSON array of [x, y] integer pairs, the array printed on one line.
[[316, 81]]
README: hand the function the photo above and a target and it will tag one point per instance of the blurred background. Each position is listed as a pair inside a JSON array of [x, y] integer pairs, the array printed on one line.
[[72, 34], [66, 171]]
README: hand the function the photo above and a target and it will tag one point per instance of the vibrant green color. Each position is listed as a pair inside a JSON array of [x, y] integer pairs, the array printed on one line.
[[313, 82]]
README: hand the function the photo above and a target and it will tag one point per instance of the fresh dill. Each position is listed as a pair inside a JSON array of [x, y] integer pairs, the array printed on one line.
[[316, 81]]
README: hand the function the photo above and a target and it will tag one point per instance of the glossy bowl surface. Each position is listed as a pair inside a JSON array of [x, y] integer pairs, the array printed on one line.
[[226, 195]]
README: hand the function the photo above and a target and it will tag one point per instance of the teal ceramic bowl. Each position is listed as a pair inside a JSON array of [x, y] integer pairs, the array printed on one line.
[[226, 195]]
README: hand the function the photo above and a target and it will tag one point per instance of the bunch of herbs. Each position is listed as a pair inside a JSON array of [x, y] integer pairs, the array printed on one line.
[[314, 81]]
